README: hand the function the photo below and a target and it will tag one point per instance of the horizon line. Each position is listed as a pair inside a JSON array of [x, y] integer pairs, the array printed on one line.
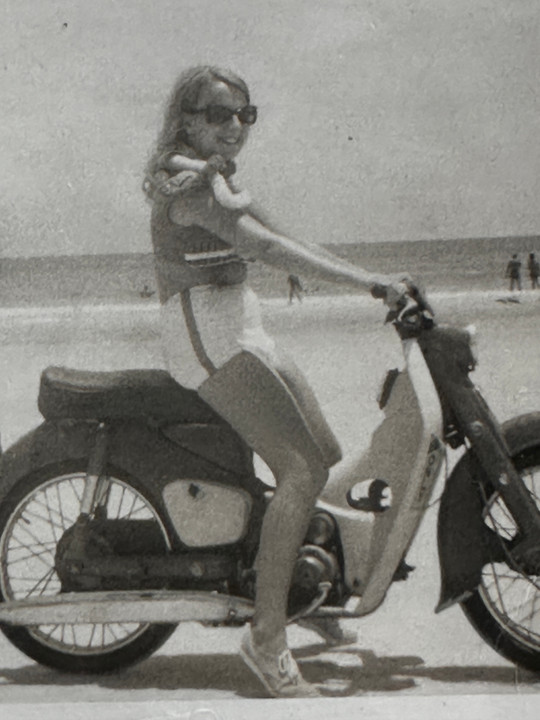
[[485, 238]]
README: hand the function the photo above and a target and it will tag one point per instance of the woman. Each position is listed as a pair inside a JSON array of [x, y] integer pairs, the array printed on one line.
[[214, 341]]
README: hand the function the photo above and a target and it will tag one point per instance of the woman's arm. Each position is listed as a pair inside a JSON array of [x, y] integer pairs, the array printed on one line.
[[211, 169], [177, 163], [255, 240], [305, 257]]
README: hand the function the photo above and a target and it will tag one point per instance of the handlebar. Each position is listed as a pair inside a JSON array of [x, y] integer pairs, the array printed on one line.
[[411, 311]]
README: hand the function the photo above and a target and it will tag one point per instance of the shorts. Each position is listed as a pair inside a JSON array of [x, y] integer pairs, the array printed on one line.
[[207, 326], [214, 342]]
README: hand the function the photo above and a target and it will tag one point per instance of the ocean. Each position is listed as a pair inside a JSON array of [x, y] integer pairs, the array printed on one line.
[[438, 265]]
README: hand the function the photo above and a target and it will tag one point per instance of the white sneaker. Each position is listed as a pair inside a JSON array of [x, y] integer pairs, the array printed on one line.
[[278, 673]]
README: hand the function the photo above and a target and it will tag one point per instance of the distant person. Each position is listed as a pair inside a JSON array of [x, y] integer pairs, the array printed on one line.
[[534, 270], [146, 292], [513, 271], [295, 288]]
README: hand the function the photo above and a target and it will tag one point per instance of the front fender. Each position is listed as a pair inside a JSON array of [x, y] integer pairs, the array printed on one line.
[[465, 542]]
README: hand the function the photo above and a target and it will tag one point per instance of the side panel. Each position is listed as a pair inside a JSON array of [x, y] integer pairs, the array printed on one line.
[[465, 542], [207, 513], [406, 454]]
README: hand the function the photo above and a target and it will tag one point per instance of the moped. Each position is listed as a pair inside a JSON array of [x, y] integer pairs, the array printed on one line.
[[134, 507]]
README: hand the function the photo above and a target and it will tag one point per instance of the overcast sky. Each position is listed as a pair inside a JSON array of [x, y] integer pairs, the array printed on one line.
[[379, 119]]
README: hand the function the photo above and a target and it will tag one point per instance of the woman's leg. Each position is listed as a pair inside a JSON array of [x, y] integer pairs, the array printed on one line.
[[308, 404], [329, 629], [259, 405], [285, 524]]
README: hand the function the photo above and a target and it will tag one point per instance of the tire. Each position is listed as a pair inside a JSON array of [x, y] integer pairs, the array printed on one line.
[[505, 608], [40, 507]]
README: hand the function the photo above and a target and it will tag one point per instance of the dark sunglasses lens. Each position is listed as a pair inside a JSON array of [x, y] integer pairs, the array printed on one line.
[[218, 114], [248, 115]]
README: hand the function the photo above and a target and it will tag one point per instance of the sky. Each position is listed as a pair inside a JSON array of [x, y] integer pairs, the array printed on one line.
[[378, 119]]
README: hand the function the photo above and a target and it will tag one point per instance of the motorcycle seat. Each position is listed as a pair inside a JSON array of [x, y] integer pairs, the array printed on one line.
[[148, 394]]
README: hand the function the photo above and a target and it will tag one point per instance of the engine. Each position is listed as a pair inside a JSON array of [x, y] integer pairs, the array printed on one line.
[[317, 564]]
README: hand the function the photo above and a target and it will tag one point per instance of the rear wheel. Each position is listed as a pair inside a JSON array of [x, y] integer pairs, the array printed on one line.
[[33, 518], [505, 609]]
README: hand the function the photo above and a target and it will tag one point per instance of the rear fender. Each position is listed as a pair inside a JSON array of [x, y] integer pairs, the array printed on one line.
[[49, 443], [465, 542], [141, 451]]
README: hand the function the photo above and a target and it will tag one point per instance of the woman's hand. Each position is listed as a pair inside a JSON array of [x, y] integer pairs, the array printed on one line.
[[215, 164], [398, 291], [392, 289]]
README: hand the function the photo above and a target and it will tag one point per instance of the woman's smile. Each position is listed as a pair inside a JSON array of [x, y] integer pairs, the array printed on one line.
[[229, 140]]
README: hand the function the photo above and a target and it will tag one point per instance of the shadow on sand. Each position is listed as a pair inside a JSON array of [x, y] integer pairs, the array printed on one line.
[[340, 673]]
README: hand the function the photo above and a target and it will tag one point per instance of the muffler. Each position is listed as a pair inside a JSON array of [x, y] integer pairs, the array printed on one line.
[[152, 606]]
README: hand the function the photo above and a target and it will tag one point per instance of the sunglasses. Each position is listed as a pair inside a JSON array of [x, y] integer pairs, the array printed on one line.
[[219, 114]]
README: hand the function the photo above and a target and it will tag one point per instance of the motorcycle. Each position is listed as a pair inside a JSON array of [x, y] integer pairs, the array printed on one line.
[[134, 507]]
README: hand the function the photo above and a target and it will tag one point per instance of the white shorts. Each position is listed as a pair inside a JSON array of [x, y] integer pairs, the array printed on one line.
[[257, 390], [207, 327]]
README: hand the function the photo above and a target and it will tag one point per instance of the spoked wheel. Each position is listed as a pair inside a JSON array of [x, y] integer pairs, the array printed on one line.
[[33, 519], [505, 609]]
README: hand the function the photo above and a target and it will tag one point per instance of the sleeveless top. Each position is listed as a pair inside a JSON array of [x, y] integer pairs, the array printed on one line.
[[189, 255]]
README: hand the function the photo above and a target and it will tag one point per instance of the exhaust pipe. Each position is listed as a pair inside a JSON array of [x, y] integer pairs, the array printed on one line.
[[153, 606]]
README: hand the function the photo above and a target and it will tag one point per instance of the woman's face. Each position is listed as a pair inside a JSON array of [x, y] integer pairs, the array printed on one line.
[[225, 139]]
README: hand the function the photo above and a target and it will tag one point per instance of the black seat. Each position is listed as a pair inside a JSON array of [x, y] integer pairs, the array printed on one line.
[[66, 393]]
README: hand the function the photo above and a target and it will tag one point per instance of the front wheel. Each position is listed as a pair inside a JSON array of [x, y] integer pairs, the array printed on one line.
[[505, 608], [33, 518]]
